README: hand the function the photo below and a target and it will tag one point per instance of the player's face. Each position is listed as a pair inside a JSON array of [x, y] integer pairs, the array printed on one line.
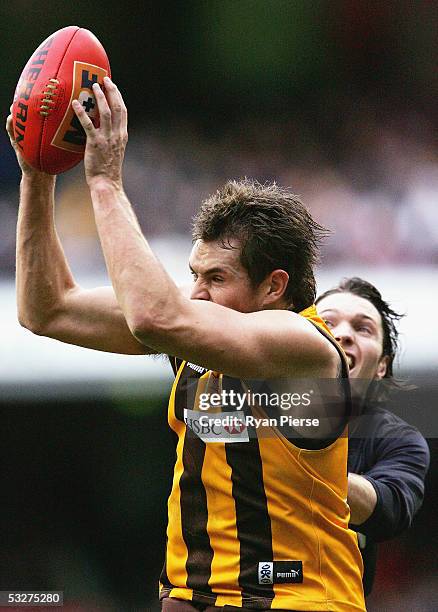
[[357, 326], [219, 277]]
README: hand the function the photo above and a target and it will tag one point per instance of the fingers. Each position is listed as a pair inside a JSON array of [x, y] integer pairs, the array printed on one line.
[[9, 126], [113, 115], [119, 113], [84, 119], [10, 129], [25, 167], [105, 115]]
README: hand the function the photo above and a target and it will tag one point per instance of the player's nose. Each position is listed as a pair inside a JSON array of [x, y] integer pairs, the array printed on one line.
[[199, 291], [343, 334]]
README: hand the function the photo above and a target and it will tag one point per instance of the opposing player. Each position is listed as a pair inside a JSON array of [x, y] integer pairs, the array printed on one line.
[[255, 521], [387, 458]]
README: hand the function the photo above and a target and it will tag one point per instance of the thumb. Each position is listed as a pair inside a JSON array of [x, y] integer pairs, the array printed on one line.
[[10, 130], [25, 167]]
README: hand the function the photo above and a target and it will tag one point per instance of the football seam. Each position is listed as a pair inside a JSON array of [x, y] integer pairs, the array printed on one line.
[[45, 118]]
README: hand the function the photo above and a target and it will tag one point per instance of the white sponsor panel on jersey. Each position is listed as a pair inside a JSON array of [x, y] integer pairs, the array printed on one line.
[[218, 426]]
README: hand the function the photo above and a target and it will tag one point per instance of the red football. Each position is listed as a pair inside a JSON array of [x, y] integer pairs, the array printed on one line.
[[63, 68]]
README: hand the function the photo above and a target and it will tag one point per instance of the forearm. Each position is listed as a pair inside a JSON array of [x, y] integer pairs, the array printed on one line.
[[144, 290], [362, 498], [43, 275]]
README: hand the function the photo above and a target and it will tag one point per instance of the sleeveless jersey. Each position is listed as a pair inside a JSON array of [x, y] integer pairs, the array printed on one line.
[[256, 521]]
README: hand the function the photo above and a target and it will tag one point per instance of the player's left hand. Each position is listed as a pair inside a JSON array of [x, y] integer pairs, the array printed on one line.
[[26, 169], [106, 144]]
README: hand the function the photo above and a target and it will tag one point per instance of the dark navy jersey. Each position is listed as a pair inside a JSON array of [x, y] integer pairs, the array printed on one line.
[[394, 457]]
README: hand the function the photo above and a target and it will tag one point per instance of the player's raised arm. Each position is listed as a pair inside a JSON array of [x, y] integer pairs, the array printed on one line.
[[250, 335], [49, 301]]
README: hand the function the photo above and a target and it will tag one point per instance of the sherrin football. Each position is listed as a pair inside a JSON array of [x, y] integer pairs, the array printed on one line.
[[63, 68]]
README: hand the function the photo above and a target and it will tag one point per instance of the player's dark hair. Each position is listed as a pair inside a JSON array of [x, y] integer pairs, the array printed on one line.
[[389, 317], [274, 229]]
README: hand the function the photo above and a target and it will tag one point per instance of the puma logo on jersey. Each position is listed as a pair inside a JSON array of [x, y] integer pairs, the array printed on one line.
[[280, 572]]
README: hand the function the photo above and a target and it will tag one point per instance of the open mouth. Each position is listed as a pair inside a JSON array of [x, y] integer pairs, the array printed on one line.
[[351, 361]]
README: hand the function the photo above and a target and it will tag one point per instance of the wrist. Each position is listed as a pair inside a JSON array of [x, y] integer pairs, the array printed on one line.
[[36, 177], [103, 183], [38, 180]]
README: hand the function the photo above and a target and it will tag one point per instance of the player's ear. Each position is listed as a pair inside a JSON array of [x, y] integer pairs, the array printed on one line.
[[382, 366], [276, 285]]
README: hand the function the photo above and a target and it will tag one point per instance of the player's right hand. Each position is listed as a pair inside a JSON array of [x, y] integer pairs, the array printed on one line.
[[105, 149], [26, 169]]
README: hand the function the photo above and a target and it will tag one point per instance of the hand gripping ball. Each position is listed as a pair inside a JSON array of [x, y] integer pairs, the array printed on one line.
[[64, 67]]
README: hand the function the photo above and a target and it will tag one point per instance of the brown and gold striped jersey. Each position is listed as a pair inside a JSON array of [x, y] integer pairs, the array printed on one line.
[[256, 520]]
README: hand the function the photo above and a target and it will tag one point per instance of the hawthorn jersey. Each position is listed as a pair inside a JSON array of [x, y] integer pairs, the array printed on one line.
[[255, 520]]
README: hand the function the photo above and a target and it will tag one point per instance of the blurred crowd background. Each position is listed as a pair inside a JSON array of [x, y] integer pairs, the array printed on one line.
[[335, 99], [379, 198]]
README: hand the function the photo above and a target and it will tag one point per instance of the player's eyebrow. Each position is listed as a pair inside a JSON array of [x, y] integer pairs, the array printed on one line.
[[214, 270], [359, 315], [366, 317], [334, 310]]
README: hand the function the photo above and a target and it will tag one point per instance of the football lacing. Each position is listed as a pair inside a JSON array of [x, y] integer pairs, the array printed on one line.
[[47, 101]]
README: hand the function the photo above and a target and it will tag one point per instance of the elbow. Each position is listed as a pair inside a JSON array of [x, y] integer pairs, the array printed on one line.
[[141, 328], [161, 321], [37, 327], [149, 329], [43, 315], [162, 325], [157, 329], [40, 323], [30, 324], [387, 522]]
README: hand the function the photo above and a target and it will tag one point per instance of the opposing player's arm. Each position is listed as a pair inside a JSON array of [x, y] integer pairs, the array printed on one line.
[[362, 498], [398, 476]]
